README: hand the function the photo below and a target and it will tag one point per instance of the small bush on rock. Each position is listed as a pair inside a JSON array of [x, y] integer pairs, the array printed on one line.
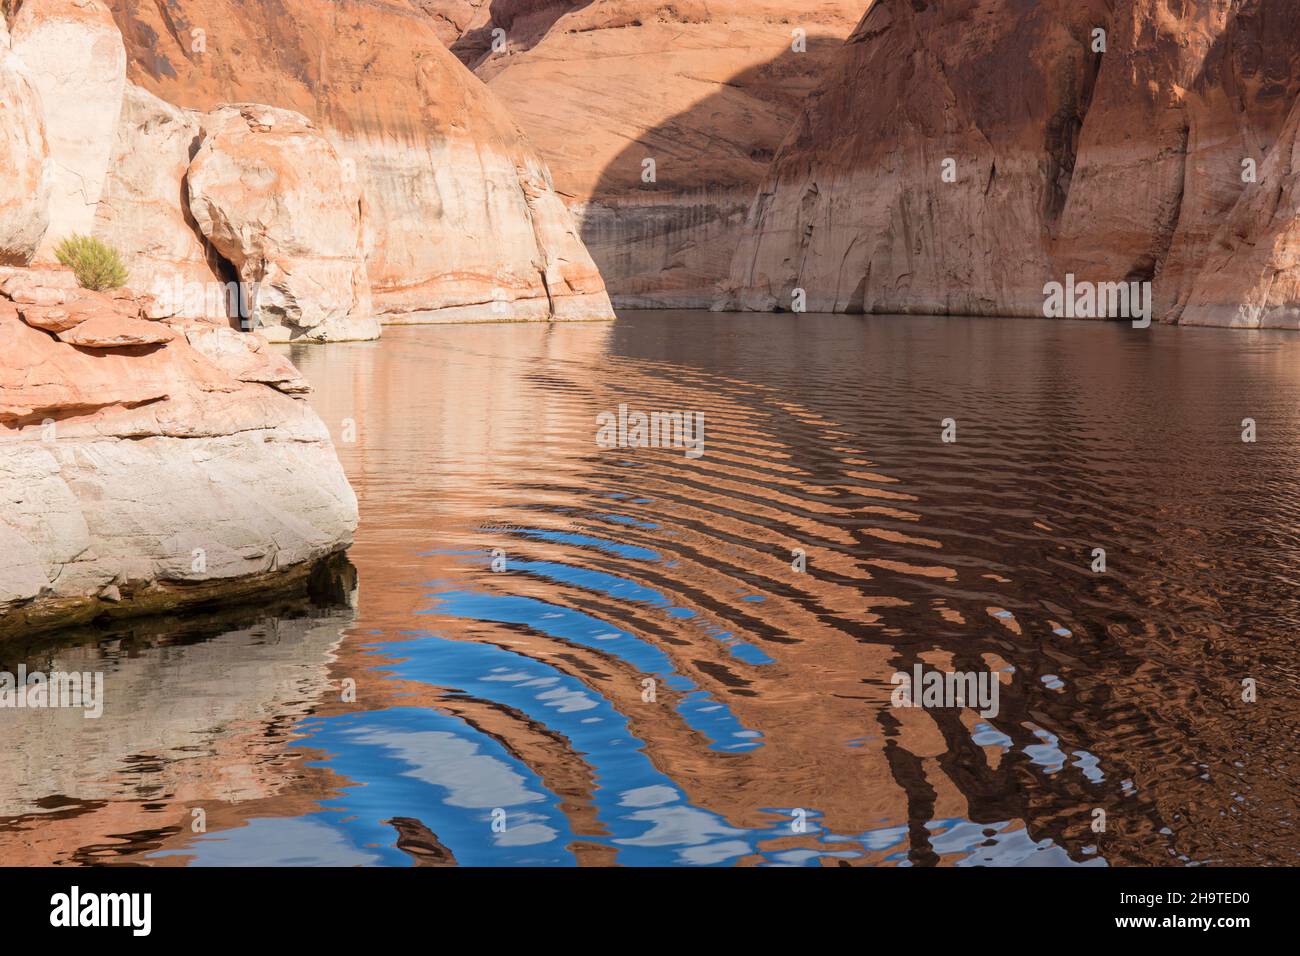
[[96, 264]]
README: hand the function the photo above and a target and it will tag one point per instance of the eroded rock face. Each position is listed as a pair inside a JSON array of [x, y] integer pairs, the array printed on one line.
[[461, 220], [1111, 165], [452, 19], [270, 194], [24, 157], [145, 465], [143, 211], [77, 65], [1251, 276], [1186, 95], [705, 90], [856, 209]]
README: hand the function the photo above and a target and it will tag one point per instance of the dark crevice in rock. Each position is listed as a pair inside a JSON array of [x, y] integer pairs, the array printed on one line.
[[534, 21], [550, 299], [1064, 133]]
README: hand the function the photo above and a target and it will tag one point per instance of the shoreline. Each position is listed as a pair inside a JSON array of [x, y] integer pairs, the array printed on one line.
[[328, 581]]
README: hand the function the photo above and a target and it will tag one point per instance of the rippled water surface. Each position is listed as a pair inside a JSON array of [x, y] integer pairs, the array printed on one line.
[[647, 678]]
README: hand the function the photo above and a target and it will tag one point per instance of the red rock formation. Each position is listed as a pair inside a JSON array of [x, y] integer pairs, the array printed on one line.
[[142, 211], [270, 194], [1251, 277], [146, 465], [1111, 165], [706, 90], [452, 19], [462, 222]]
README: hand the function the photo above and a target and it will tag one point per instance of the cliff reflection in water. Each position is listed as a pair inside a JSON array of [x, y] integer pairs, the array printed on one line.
[[519, 696], [196, 717]]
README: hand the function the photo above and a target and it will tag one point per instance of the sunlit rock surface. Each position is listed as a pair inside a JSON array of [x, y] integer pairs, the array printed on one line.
[[143, 211], [461, 220], [270, 194], [24, 157], [705, 90], [77, 64], [146, 465]]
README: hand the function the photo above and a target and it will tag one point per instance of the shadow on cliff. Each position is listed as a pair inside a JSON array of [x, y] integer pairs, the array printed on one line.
[[537, 16], [709, 160]]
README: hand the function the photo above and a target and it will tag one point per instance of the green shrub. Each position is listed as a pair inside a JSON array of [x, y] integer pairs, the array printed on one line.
[[96, 264]]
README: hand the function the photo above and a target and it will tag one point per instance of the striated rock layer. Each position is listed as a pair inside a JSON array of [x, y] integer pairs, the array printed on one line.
[[705, 90], [28, 172], [271, 196], [143, 211], [147, 465], [77, 65], [1163, 156], [1251, 274], [460, 217]]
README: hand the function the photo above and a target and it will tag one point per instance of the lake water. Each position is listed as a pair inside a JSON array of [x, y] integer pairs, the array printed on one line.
[[567, 654]]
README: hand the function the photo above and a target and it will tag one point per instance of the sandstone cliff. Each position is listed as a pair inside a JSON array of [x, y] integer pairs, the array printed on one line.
[[705, 90], [147, 461], [1162, 155], [459, 215], [272, 197], [25, 185], [143, 210], [76, 61], [1251, 276], [147, 465]]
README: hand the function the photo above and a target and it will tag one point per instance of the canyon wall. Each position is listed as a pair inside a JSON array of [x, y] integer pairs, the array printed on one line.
[[962, 154], [705, 90], [1251, 277], [148, 460], [28, 171], [460, 220], [73, 53]]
